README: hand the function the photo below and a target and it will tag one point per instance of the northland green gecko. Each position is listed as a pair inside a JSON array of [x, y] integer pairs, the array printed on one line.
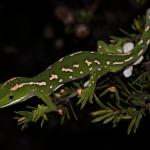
[[72, 67]]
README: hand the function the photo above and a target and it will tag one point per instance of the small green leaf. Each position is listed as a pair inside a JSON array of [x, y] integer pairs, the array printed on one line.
[[126, 117], [102, 117], [137, 122], [73, 112], [101, 112], [111, 106], [62, 120], [131, 125], [99, 102], [117, 119], [104, 92], [117, 96], [67, 114], [107, 120]]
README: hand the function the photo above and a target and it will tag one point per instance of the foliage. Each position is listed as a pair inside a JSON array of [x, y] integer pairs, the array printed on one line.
[[117, 98]]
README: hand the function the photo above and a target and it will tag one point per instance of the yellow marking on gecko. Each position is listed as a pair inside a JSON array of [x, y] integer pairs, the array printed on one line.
[[18, 86], [97, 62], [118, 63], [53, 76], [88, 62], [76, 65], [67, 70]]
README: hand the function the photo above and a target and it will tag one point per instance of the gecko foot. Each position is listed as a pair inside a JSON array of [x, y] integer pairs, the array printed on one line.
[[86, 96]]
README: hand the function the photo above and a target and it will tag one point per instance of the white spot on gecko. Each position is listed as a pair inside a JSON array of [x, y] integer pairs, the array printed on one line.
[[97, 62], [67, 70], [92, 82], [60, 80], [51, 87], [90, 68], [100, 46], [140, 42], [53, 76], [88, 62], [81, 72], [119, 50], [108, 62], [70, 77]]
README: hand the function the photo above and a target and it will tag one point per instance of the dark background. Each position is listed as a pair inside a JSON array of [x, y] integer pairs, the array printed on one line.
[[32, 37]]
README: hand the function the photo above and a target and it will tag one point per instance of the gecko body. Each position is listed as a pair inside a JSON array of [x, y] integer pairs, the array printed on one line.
[[69, 68]]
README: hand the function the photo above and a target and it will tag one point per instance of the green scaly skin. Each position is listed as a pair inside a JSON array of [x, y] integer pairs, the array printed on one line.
[[72, 67], [111, 48]]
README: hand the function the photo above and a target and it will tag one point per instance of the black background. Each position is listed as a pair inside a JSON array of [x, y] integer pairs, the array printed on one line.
[[26, 51]]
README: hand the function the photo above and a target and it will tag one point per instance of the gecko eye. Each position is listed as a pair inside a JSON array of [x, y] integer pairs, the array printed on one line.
[[11, 97]]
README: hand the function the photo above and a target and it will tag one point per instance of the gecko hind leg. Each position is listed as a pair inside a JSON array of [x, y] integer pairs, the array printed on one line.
[[115, 48], [87, 93], [101, 47]]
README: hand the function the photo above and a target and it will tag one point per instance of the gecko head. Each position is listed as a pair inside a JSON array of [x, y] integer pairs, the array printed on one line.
[[10, 96]]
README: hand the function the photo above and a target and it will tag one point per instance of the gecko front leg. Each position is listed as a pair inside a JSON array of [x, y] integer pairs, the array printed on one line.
[[47, 100], [87, 93]]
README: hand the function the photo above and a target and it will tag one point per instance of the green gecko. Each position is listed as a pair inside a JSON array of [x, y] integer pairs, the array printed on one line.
[[69, 68]]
